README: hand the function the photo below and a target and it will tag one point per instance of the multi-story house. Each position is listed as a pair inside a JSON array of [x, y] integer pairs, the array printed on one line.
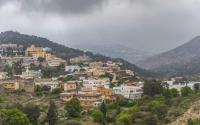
[[106, 92], [128, 92], [69, 86], [92, 83], [85, 98], [33, 50]]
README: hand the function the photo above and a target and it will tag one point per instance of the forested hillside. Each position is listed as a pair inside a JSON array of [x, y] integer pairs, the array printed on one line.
[[65, 52]]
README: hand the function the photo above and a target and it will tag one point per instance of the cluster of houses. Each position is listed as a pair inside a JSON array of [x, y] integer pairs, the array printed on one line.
[[89, 82], [31, 55]]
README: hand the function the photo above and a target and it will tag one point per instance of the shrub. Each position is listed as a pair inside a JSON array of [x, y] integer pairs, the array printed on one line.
[[113, 105], [97, 116], [38, 93], [124, 119], [176, 112], [193, 121], [56, 91]]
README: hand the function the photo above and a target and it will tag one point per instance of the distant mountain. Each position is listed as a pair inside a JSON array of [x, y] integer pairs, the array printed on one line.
[[65, 52], [115, 51], [183, 60]]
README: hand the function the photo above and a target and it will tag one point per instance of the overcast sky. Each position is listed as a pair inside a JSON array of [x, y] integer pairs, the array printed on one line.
[[152, 25]]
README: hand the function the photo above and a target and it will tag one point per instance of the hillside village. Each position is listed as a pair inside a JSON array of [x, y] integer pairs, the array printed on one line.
[[36, 71]]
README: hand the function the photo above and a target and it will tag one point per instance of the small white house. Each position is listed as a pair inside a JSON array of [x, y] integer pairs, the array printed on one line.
[[3, 75], [128, 92], [53, 63], [94, 82], [72, 68]]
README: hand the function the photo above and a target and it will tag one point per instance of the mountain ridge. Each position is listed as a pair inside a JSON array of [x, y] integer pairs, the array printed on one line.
[[179, 54]]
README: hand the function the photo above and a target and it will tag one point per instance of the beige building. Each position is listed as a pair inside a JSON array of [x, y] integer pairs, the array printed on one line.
[[95, 64], [13, 85], [33, 50], [46, 56], [98, 72], [85, 98], [69, 86]]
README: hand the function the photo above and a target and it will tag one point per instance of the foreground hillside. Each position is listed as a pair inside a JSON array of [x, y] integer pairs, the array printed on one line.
[[65, 52]]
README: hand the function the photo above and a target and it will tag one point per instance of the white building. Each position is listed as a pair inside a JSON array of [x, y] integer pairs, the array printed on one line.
[[92, 83], [129, 72], [3, 75], [50, 83], [72, 68], [170, 83], [53, 63], [128, 92]]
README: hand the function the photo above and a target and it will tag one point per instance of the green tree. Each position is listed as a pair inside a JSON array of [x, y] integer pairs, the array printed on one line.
[[17, 66], [52, 114], [167, 93], [8, 70], [32, 112], [46, 72], [112, 85], [152, 87], [196, 87], [193, 121], [14, 117], [40, 59], [46, 88], [160, 110], [103, 108], [98, 116], [56, 91], [38, 88], [174, 92], [73, 107], [185, 91], [151, 120], [124, 119]]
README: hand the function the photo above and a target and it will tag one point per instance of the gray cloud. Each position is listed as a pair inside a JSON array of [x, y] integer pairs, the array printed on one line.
[[59, 6], [152, 25]]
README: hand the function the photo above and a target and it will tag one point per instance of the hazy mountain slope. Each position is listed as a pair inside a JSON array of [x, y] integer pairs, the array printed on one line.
[[180, 55], [190, 67], [115, 51], [65, 52]]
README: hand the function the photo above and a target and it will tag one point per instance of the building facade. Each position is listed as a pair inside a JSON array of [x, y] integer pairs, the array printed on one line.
[[85, 98], [33, 50], [72, 68], [128, 92], [92, 83]]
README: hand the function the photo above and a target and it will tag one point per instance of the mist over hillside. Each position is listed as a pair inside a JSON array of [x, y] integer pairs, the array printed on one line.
[[115, 51]]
